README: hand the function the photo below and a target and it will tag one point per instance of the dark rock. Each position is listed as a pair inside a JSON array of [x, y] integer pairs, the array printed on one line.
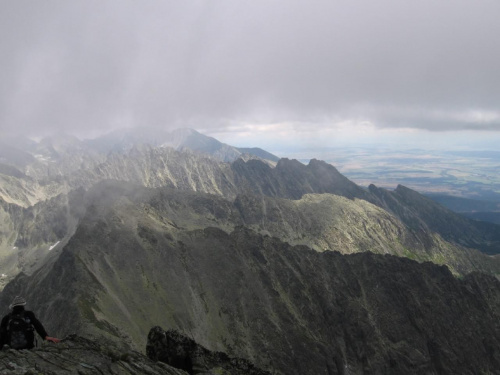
[[292, 179], [181, 352], [78, 355]]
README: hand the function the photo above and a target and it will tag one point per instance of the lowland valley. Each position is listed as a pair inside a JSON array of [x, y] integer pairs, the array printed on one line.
[[466, 174]]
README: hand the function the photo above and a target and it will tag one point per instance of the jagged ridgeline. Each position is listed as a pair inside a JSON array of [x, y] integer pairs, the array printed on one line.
[[291, 266]]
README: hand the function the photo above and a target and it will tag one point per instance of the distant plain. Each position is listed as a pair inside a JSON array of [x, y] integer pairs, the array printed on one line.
[[467, 182], [466, 174]]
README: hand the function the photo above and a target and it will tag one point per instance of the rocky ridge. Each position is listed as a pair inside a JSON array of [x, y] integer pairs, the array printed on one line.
[[168, 353], [238, 256], [79, 355], [72, 164], [425, 215], [165, 167], [285, 308], [321, 221], [31, 172]]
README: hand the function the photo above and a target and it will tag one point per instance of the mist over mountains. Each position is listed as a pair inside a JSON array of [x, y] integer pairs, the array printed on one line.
[[292, 266]]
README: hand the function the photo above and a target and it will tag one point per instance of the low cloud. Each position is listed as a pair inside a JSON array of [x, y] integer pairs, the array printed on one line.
[[89, 66]]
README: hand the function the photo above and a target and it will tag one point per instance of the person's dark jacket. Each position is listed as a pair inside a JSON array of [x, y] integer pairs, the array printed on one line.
[[27, 315]]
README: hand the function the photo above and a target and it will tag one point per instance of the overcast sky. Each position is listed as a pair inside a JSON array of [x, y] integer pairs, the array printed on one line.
[[302, 72]]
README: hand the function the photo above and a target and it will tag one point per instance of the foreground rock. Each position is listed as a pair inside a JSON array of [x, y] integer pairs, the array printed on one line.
[[77, 355], [181, 352]]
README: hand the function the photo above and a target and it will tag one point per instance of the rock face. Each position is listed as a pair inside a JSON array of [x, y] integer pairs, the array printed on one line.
[[286, 308], [78, 355], [33, 172], [181, 352]]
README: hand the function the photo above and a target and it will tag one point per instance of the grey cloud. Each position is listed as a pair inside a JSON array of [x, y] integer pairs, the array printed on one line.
[[92, 64]]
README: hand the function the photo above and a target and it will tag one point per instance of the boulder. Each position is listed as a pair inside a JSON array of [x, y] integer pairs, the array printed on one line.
[[179, 351]]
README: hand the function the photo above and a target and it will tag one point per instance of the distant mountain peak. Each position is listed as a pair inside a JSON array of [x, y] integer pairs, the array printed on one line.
[[185, 131], [179, 139]]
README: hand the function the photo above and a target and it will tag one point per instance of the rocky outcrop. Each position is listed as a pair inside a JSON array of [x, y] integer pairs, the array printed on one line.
[[181, 352], [78, 355]]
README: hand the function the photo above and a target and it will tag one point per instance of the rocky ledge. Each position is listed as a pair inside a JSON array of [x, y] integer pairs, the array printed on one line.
[[78, 355], [169, 352]]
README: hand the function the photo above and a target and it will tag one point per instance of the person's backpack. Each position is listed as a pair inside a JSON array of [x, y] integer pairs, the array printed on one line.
[[20, 331]]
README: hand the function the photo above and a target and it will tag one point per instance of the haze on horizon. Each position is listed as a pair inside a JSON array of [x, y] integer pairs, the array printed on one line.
[[272, 74]]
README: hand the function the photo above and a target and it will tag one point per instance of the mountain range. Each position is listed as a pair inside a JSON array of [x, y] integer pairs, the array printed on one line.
[[292, 266]]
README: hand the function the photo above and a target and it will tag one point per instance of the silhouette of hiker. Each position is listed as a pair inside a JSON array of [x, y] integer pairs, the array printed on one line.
[[17, 327]]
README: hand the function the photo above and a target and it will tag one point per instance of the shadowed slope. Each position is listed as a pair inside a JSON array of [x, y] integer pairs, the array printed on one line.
[[423, 214], [253, 296]]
